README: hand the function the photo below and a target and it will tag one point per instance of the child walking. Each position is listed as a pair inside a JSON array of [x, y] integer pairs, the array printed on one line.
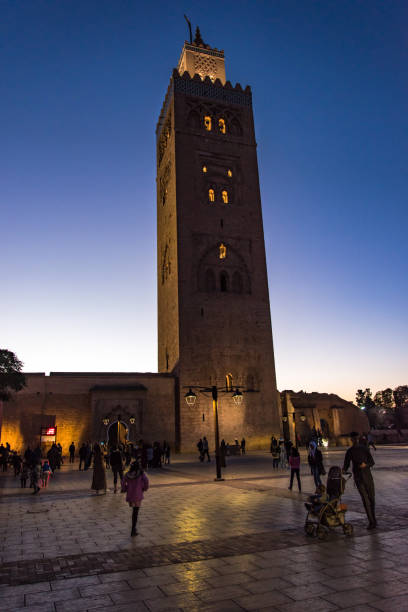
[[294, 462], [134, 484], [46, 473]]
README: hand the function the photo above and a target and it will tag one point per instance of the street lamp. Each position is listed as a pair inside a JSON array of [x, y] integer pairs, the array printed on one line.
[[285, 419], [302, 418], [191, 398], [105, 421]]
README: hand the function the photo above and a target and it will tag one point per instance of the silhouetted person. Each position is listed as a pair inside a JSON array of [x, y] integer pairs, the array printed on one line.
[[72, 452], [362, 461]]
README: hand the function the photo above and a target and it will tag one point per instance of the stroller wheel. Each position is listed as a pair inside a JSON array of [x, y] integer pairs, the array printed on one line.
[[310, 529], [348, 529], [322, 533]]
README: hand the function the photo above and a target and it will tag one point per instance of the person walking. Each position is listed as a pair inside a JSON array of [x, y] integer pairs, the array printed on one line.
[[46, 473], [275, 456], [99, 474], [36, 474], [205, 449], [116, 463], [294, 463], [167, 454], [288, 446], [134, 484], [72, 452], [82, 456], [243, 446], [282, 456], [315, 460], [24, 475], [88, 456], [360, 456], [200, 450]]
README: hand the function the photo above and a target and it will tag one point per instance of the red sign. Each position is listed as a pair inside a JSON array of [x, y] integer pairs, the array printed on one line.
[[48, 431]]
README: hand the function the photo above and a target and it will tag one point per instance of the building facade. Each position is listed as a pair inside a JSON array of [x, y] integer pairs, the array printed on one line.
[[214, 325]]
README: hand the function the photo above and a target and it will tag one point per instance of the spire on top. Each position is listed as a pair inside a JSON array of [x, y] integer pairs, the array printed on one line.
[[198, 39]]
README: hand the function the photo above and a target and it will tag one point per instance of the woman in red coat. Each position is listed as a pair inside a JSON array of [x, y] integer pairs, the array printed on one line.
[[134, 484]]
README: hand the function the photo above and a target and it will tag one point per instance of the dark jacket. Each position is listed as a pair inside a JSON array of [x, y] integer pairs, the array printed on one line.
[[357, 455]]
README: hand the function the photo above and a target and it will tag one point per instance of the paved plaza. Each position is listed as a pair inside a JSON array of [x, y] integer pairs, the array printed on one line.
[[202, 545]]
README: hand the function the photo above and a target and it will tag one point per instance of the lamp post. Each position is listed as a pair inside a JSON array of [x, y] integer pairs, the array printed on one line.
[[191, 398]]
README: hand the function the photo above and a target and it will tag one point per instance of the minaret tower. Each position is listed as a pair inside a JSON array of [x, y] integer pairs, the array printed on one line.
[[214, 325]]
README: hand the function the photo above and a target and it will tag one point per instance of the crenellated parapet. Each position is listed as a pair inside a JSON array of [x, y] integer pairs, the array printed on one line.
[[207, 88]]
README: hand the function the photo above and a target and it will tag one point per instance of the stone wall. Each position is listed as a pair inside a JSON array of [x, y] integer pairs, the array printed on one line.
[[76, 403]]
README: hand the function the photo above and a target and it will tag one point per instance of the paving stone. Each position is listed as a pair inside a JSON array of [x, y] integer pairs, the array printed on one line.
[[137, 595], [100, 589], [84, 603], [221, 593], [389, 589], [316, 604], [36, 587], [119, 576], [228, 579], [176, 602], [352, 597], [47, 597], [393, 604], [262, 600], [263, 586], [56, 585]]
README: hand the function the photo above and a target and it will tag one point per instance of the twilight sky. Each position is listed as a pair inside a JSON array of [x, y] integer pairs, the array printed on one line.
[[81, 87]]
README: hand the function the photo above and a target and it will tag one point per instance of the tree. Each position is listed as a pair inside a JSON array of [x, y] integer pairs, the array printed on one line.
[[11, 377], [365, 401], [400, 395]]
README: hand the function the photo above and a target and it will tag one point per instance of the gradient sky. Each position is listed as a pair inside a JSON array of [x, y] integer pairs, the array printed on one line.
[[81, 86]]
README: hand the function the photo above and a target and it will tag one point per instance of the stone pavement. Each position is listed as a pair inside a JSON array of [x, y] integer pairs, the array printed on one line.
[[234, 545]]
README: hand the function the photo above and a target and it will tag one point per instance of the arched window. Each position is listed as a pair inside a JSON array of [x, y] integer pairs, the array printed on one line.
[[207, 123], [223, 251], [229, 381], [222, 126], [211, 195], [224, 194], [204, 169], [224, 282], [229, 172], [209, 280], [237, 285]]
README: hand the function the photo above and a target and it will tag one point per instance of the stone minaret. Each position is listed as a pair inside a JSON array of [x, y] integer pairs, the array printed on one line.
[[214, 325]]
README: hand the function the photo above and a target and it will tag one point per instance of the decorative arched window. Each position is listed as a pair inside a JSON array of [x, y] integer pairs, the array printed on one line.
[[224, 282], [207, 123], [222, 126], [223, 251], [229, 172], [211, 195], [229, 382], [237, 285], [204, 169], [209, 280], [224, 194]]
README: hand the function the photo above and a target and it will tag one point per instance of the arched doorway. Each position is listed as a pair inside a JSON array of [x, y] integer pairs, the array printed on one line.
[[118, 433]]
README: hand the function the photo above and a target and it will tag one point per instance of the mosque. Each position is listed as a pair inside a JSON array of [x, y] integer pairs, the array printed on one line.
[[214, 325]]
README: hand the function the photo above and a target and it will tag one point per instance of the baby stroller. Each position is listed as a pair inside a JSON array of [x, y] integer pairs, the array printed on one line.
[[323, 516]]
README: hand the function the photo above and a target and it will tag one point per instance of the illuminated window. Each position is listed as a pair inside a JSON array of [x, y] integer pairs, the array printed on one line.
[[207, 123], [223, 251], [229, 172], [224, 196], [221, 125], [211, 195], [228, 382], [224, 282], [204, 168]]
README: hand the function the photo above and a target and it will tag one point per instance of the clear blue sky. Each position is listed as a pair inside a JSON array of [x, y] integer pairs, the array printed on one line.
[[82, 83]]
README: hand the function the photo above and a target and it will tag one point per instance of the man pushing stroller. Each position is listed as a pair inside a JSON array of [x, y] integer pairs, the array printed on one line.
[[360, 456]]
